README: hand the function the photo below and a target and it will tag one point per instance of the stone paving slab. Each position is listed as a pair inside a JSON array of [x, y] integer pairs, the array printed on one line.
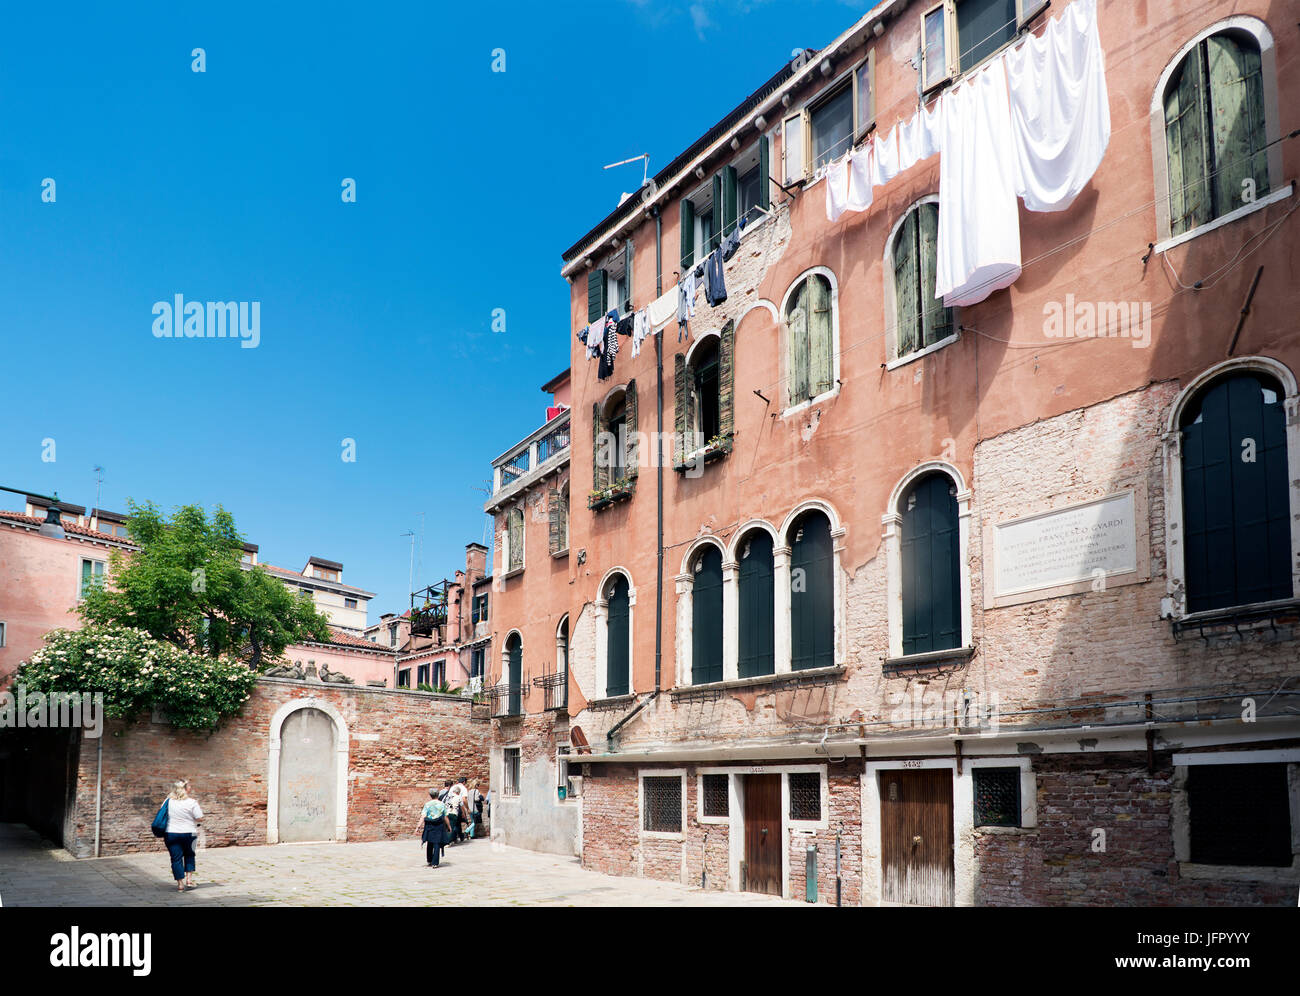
[[34, 872]]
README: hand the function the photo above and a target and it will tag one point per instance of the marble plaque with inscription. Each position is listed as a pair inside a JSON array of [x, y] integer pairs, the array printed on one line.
[[1078, 543]]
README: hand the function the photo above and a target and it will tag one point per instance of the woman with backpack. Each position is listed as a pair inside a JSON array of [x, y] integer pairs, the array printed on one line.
[[184, 814]]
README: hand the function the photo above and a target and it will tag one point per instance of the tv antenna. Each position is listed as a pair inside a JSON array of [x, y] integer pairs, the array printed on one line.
[[645, 173], [410, 577]]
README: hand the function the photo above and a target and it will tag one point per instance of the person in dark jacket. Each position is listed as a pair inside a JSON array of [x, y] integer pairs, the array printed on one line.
[[435, 829]]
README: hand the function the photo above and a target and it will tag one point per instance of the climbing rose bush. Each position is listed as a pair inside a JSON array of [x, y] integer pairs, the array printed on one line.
[[136, 674]]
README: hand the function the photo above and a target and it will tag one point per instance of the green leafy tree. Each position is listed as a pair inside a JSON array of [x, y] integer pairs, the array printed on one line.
[[186, 586]]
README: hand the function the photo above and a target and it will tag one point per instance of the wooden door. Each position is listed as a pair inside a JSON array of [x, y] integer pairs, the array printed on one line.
[[916, 837], [763, 863]]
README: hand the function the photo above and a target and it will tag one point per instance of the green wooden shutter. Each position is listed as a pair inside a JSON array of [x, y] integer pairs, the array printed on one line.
[[797, 321], [516, 675], [515, 522], [812, 595], [688, 234], [626, 304], [757, 606], [726, 380], [706, 617], [1189, 199], [680, 410], [820, 336], [633, 452], [616, 650], [553, 509], [936, 320], [1237, 120], [599, 473], [930, 560], [715, 239], [597, 290], [730, 199], [906, 280], [764, 171]]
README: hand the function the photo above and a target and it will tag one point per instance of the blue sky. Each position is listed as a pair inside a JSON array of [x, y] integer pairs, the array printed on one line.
[[375, 315]]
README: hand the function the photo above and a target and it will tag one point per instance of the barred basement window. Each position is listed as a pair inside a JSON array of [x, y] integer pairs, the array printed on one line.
[[805, 795], [716, 800], [1240, 814], [997, 797], [511, 786], [661, 799]]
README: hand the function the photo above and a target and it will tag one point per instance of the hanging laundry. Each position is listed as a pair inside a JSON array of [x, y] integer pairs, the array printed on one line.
[[918, 137], [837, 189], [860, 190], [884, 164], [686, 301], [1060, 108], [715, 286], [978, 243], [663, 308], [732, 242], [609, 343], [640, 329], [624, 326]]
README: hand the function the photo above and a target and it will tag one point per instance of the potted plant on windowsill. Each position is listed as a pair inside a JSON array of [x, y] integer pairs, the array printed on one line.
[[715, 449], [620, 490]]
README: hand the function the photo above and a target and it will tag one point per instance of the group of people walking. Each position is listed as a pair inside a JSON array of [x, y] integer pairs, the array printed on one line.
[[451, 816]]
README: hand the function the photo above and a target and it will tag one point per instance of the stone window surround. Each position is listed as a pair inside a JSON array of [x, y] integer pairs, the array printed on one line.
[[498, 765], [1165, 240], [505, 667], [641, 775], [341, 767], [1180, 814], [889, 296], [963, 817], [781, 551], [892, 521], [1174, 606], [506, 552], [601, 612], [784, 340], [735, 821]]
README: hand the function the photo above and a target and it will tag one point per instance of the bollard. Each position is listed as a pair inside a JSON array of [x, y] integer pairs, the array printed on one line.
[[810, 874]]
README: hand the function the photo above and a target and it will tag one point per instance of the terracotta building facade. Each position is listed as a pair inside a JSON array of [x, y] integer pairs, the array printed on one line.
[[869, 593]]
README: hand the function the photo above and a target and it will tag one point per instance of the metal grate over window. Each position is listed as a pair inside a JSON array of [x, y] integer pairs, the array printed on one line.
[[1240, 814], [805, 795], [662, 801], [997, 797], [716, 801], [511, 786]]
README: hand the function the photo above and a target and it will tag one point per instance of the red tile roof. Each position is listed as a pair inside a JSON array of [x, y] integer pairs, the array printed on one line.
[[68, 527], [337, 636]]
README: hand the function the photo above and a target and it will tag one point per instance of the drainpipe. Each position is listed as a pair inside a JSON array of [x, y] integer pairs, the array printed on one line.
[[99, 784], [659, 462]]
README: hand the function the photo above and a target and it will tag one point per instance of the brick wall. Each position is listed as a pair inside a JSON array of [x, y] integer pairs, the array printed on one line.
[[399, 743]]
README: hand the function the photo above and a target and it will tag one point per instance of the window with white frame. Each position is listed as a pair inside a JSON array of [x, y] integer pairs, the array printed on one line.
[[510, 758], [919, 318], [957, 35], [92, 576], [996, 793], [1240, 815], [715, 796], [805, 791], [2, 634], [661, 803], [811, 328], [827, 127]]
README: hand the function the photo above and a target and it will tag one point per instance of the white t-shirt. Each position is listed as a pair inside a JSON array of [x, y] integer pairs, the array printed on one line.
[[455, 797], [183, 816]]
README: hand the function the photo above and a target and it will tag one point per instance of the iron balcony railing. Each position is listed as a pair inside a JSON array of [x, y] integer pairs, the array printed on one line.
[[506, 699], [555, 691], [535, 454]]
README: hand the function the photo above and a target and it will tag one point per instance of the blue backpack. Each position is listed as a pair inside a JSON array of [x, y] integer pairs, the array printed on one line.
[[159, 824]]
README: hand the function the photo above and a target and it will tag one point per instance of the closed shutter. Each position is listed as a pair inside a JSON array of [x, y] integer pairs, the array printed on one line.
[[1237, 120], [764, 172], [726, 380], [617, 666], [730, 207], [757, 606], [626, 304], [1235, 508], [515, 656], [906, 282], [820, 336], [631, 458], [1189, 197], [930, 557], [597, 289], [936, 320], [706, 617], [557, 522], [681, 410], [688, 234], [599, 452], [797, 322], [812, 594], [715, 239], [516, 525]]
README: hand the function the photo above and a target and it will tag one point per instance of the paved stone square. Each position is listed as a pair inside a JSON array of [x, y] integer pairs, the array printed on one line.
[[34, 872]]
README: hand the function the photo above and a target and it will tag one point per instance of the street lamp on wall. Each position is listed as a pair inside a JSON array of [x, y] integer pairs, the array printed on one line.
[[52, 526]]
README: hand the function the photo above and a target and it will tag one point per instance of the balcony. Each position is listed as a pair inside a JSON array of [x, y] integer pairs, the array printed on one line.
[[530, 460], [555, 691], [506, 700], [429, 610]]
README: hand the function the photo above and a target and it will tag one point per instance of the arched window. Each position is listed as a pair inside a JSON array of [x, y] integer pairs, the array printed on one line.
[[930, 566], [757, 612], [703, 407], [812, 592], [1215, 135], [515, 672], [515, 538], [810, 323], [618, 665], [920, 319], [614, 428], [706, 616], [1236, 528], [704, 375]]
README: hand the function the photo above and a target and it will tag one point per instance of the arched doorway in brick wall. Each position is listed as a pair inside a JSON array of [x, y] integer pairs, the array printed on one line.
[[307, 774]]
